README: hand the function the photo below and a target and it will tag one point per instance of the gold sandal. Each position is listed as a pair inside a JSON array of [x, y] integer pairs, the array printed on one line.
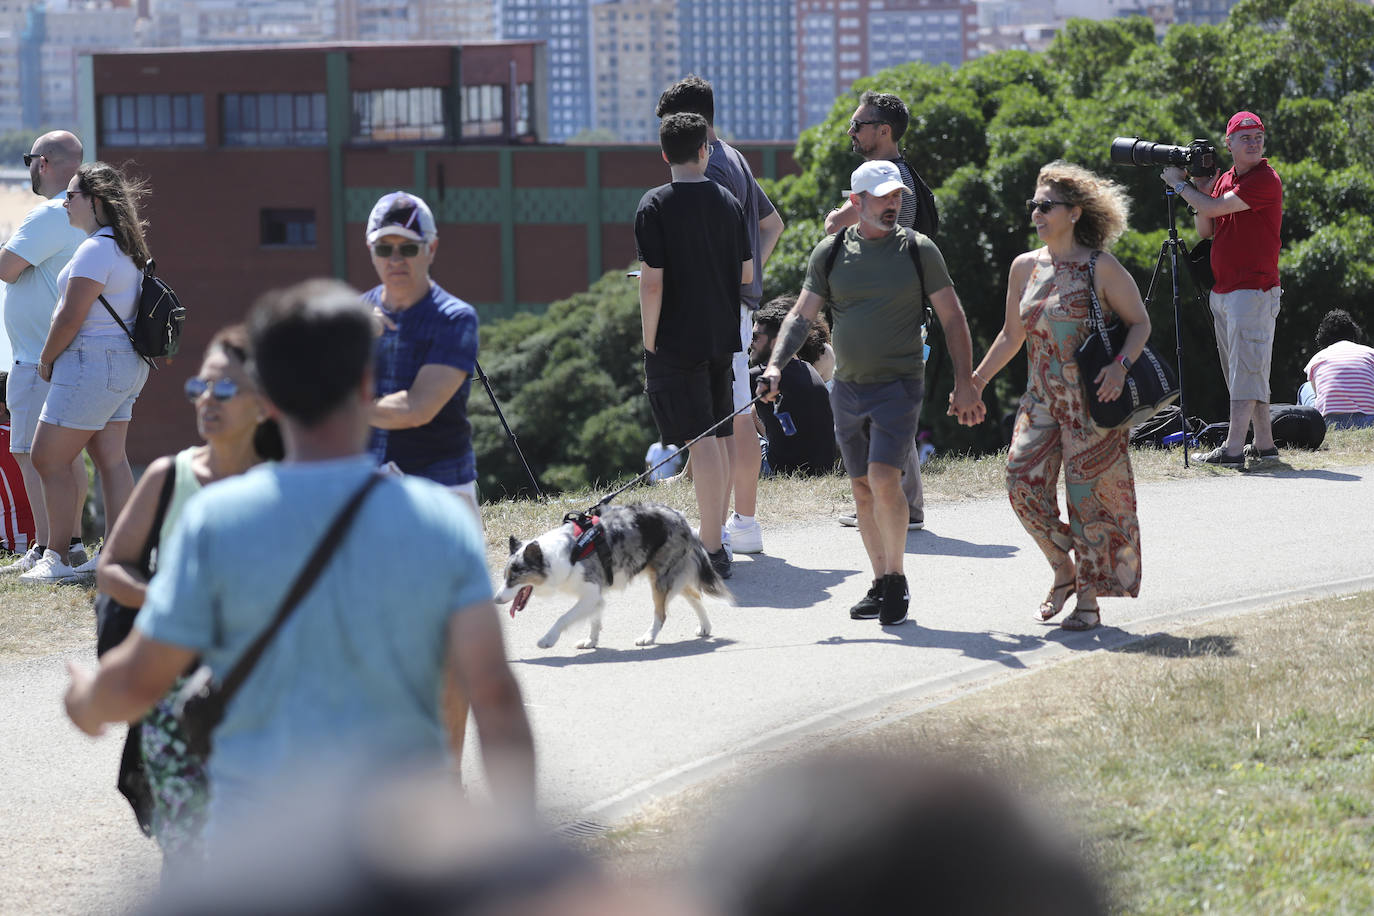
[[1050, 606]]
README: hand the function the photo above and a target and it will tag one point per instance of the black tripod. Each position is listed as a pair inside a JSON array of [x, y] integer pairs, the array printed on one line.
[[1171, 248], [506, 426]]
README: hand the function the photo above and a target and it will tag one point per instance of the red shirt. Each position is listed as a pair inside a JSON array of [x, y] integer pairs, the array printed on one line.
[[1245, 244], [16, 518]]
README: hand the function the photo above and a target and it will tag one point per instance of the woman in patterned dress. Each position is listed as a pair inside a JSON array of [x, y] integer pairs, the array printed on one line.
[[1096, 553], [231, 418]]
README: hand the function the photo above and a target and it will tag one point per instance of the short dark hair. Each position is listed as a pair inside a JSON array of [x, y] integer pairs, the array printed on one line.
[[692, 95], [1337, 325], [311, 345], [890, 109], [681, 137]]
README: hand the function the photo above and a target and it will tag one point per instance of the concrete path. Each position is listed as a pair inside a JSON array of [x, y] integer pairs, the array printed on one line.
[[620, 724]]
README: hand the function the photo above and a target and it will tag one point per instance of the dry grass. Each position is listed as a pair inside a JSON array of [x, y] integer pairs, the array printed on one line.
[[1207, 771]]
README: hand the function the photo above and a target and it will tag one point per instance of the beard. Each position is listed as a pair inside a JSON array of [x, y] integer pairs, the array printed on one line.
[[33, 182]]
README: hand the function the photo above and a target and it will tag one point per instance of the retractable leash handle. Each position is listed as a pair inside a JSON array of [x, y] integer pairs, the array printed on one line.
[[710, 429]]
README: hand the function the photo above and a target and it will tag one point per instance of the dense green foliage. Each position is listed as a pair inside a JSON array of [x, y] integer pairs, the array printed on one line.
[[978, 135]]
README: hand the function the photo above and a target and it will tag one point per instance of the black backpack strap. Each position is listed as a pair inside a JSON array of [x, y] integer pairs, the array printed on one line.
[[836, 245], [127, 333], [164, 499]]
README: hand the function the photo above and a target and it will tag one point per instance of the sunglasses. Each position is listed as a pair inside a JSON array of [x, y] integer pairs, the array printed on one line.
[[856, 124], [407, 249], [221, 389], [29, 157], [1044, 206]]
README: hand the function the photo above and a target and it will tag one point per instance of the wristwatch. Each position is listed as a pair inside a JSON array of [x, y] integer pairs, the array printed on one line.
[[1124, 360], [1178, 188]]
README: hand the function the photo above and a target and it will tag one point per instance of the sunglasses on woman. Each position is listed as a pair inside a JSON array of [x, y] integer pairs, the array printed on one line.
[[220, 389], [408, 249], [1044, 206]]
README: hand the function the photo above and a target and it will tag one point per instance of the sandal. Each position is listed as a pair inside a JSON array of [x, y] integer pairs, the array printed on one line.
[[1082, 618], [1054, 602]]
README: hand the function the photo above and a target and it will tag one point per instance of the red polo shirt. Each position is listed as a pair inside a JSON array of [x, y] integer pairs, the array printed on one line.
[[1245, 246]]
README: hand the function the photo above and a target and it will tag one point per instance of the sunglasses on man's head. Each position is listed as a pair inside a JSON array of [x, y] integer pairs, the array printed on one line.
[[220, 389], [1044, 206], [407, 249], [29, 157]]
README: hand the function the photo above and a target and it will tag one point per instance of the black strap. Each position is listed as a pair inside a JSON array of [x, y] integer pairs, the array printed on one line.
[[1097, 323], [313, 567], [125, 327], [164, 499]]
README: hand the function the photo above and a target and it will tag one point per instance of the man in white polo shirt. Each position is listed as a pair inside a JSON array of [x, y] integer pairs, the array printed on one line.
[[29, 264]]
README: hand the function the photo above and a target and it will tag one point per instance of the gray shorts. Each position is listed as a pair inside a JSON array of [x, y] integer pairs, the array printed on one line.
[[94, 382], [875, 421], [1244, 321], [24, 396]]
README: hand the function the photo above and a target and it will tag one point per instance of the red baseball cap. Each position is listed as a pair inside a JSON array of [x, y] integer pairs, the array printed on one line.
[[1242, 120]]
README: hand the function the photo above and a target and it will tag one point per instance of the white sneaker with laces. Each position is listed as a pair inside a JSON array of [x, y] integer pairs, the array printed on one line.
[[23, 564], [76, 556], [745, 537], [49, 568]]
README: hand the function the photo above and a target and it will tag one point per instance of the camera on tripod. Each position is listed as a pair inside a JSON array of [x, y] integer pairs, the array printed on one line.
[[1198, 157]]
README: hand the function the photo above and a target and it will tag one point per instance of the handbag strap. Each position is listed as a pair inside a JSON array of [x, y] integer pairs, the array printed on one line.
[[1096, 321], [313, 567], [127, 333], [164, 499]]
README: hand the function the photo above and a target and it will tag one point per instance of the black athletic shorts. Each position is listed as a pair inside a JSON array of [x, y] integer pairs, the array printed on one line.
[[688, 396]]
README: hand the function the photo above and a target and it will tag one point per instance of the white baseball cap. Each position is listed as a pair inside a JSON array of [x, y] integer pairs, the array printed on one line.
[[399, 213], [878, 177]]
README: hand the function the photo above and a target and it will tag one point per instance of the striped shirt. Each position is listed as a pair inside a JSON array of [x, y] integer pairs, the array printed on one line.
[[16, 517], [907, 217], [1343, 377]]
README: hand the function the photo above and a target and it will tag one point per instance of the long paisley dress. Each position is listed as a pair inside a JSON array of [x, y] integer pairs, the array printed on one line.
[[1053, 431]]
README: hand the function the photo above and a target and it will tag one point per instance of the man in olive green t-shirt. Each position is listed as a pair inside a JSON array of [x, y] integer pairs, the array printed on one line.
[[876, 299]]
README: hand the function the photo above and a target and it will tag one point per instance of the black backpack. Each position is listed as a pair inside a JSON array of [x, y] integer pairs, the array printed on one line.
[[157, 323]]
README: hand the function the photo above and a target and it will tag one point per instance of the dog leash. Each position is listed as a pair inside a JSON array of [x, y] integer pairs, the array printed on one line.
[[579, 517]]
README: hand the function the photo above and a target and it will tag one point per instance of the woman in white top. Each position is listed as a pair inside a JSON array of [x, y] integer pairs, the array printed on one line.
[[95, 373]]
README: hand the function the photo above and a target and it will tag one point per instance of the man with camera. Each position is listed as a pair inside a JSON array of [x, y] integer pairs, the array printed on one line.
[[1241, 211], [876, 294]]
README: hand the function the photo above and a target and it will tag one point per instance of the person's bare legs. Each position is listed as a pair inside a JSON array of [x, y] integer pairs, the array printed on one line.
[[83, 488], [112, 461], [745, 470], [1264, 426], [54, 450], [710, 480], [882, 512]]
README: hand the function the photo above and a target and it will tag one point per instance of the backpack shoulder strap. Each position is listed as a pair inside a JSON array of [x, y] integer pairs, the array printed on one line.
[[836, 244]]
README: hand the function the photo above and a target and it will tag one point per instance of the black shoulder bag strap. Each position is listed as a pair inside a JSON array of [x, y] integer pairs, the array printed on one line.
[[164, 499], [313, 567], [120, 321]]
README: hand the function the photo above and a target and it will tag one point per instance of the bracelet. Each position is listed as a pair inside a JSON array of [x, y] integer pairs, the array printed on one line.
[[975, 374]]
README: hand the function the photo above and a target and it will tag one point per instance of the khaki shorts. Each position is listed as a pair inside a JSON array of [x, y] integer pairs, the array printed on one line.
[[1244, 321]]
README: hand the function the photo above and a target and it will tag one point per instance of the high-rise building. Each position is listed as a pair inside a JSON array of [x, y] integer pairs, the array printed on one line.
[[1202, 12], [748, 51], [636, 58], [565, 26], [839, 41]]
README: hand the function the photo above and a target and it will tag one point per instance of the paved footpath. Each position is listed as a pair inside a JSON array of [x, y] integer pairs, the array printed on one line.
[[785, 668]]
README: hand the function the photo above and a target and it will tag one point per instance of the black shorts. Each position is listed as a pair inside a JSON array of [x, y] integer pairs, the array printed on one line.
[[687, 397]]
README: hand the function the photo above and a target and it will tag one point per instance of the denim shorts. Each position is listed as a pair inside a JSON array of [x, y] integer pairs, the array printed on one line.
[[24, 396], [94, 382]]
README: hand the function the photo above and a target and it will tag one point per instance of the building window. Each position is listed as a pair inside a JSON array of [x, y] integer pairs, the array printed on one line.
[[484, 111], [388, 115], [152, 119], [288, 228], [524, 109], [274, 119]]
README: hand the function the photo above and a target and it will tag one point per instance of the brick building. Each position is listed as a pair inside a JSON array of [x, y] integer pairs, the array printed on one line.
[[264, 164]]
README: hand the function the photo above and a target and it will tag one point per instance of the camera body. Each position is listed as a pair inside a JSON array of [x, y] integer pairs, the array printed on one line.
[[1198, 157]]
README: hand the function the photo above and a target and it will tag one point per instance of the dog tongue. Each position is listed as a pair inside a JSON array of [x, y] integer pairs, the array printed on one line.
[[522, 597]]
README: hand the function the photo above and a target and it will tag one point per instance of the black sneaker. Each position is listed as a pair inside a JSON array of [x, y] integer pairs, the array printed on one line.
[[895, 599], [721, 563], [868, 605], [1218, 458]]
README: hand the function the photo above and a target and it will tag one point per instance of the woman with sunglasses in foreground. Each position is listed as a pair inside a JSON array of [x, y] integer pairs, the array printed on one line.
[[95, 373], [1097, 552], [232, 419]]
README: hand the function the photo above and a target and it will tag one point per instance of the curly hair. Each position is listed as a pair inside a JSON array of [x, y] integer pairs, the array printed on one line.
[[119, 197], [1337, 325], [1104, 204], [771, 315]]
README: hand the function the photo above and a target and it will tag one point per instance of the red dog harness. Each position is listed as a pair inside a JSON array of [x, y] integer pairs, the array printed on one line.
[[590, 537]]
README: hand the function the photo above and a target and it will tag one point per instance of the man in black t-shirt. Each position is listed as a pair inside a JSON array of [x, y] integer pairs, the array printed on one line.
[[694, 248], [799, 426]]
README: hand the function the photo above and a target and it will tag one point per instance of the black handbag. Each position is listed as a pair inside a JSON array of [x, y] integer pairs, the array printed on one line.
[[114, 621], [201, 702], [1150, 383]]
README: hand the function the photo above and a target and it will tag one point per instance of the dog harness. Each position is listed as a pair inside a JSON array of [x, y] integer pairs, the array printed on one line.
[[588, 538]]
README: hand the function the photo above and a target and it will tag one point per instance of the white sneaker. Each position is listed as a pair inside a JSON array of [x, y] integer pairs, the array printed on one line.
[[49, 568], [23, 564], [745, 537], [86, 566], [76, 556]]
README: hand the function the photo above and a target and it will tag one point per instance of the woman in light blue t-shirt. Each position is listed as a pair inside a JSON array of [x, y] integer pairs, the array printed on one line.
[[94, 372]]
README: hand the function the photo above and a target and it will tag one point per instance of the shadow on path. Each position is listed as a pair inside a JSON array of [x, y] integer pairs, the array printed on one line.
[[992, 647], [603, 654], [755, 583], [928, 543], [1167, 645], [1281, 470]]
